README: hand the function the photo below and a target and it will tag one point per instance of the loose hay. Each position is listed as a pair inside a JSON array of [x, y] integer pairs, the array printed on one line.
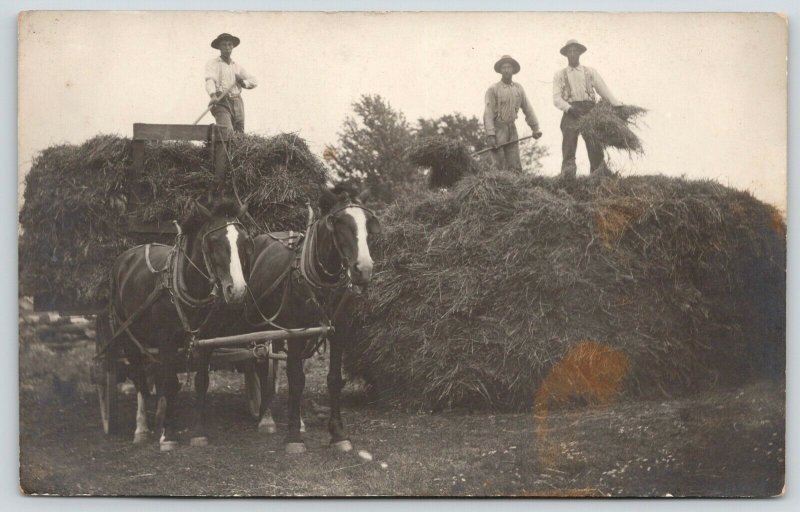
[[449, 160], [609, 126], [481, 290], [76, 208]]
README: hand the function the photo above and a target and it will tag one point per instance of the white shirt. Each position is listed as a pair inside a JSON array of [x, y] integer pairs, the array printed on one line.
[[220, 75], [583, 82]]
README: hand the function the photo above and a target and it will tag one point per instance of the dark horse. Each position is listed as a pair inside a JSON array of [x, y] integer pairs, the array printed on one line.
[[306, 286], [163, 295]]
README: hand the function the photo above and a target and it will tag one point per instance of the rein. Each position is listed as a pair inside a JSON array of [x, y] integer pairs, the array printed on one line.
[[309, 267], [310, 258], [172, 280]]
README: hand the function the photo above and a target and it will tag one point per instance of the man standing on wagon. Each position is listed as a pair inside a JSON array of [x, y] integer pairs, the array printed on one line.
[[222, 73], [574, 93], [503, 101]]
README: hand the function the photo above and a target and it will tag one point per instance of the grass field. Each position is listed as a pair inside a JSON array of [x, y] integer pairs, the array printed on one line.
[[725, 443]]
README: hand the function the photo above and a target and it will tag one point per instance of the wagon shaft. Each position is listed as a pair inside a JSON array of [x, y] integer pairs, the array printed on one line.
[[244, 339]]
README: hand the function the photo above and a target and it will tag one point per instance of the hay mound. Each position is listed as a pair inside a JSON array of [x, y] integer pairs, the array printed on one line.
[[610, 126], [76, 208], [481, 291], [449, 160]]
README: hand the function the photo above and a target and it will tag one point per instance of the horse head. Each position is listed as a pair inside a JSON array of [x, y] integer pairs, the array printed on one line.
[[226, 248], [350, 225]]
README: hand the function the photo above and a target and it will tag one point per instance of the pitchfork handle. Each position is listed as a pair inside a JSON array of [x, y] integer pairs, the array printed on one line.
[[218, 100], [501, 145]]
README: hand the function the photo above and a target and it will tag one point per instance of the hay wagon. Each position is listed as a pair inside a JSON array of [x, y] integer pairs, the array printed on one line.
[[239, 352]]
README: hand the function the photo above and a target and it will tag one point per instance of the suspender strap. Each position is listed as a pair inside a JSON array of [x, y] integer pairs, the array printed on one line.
[[567, 87], [587, 77]]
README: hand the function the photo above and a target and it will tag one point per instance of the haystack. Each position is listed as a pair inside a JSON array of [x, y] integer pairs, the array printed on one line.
[[480, 291], [448, 160], [77, 203]]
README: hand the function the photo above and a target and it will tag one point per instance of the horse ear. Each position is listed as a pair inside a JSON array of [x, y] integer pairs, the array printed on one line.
[[203, 210], [326, 201], [365, 196], [242, 210]]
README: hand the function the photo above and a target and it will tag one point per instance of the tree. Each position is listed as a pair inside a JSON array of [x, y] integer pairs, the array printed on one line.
[[371, 149], [531, 154], [373, 146]]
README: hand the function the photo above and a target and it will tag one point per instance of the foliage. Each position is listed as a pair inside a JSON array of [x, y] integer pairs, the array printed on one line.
[[371, 149]]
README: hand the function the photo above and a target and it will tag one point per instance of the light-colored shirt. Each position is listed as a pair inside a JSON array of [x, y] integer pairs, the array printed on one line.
[[503, 101], [583, 82], [220, 75]]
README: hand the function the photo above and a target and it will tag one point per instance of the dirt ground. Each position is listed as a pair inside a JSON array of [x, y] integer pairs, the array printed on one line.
[[725, 443]]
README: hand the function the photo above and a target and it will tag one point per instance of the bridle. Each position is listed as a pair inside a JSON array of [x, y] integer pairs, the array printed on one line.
[[309, 250], [209, 273], [171, 281]]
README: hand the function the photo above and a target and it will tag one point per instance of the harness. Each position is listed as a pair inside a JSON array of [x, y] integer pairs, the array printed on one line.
[[307, 271], [170, 279]]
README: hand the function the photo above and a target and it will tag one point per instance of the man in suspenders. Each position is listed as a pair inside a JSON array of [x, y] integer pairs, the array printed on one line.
[[502, 102], [574, 90], [223, 73]]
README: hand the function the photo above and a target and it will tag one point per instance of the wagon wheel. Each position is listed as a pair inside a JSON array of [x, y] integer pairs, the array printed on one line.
[[105, 379], [252, 386]]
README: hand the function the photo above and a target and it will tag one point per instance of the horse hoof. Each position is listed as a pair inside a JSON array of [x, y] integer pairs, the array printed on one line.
[[343, 446], [198, 441], [294, 448], [168, 446], [141, 437], [267, 428]]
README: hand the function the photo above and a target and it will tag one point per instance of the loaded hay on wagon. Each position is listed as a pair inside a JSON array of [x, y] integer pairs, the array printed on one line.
[[482, 290], [76, 203]]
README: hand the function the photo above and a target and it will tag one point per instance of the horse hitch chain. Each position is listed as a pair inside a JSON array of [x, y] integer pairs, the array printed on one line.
[[189, 355], [260, 351]]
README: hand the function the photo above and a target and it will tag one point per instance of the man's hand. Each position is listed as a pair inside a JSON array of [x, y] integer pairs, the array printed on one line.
[[537, 134], [240, 82], [491, 141], [214, 99]]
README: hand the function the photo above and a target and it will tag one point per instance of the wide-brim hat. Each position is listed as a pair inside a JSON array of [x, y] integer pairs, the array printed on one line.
[[572, 42], [224, 37], [503, 60]]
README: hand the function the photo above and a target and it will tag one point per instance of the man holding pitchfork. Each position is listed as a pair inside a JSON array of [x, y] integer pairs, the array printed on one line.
[[225, 80]]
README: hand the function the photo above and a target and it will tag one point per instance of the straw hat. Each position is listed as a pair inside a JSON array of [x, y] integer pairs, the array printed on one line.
[[224, 37], [503, 60], [572, 42]]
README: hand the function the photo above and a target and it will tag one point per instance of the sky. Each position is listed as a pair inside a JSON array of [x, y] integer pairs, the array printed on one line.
[[715, 84]]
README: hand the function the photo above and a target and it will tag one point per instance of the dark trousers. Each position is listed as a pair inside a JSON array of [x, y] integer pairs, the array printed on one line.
[[230, 113], [569, 144]]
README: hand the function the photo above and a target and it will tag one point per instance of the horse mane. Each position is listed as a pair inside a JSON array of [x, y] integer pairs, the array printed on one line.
[[224, 208], [345, 188]]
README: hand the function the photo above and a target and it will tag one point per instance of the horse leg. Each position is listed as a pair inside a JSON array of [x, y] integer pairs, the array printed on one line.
[[169, 393], [142, 433], [201, 393], [339, 438], [266, 423], [297, 382]]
